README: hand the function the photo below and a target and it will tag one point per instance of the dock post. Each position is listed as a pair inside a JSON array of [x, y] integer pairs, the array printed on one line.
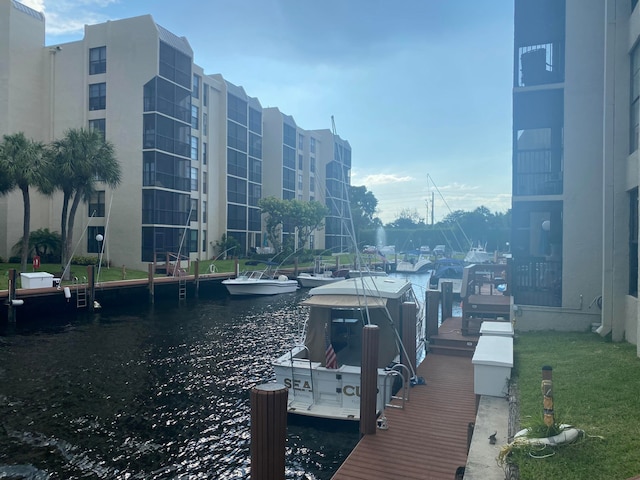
[[433, 300], [197, 276], [447, 300], [151, 285], [295, 267], [91, 279], [11, 309], [547, 396], [268, 431], [408, 357], [369, 380], [237, 267]]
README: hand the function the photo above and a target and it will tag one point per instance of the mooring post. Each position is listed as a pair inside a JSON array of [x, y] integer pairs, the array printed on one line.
[[11, 309], [408, 358], [268, 431], [295, 267], [197, 275], [151, 285], [237, 267], [447, 300], [433, 302], [547, 396], [369, 380], [91, 279]]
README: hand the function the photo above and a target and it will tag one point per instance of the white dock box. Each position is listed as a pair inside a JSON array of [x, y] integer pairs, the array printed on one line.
[[498, 329], [492, 363], [36, 280]]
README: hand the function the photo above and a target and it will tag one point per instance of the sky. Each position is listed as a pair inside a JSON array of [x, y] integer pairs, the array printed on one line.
[[421, 89]]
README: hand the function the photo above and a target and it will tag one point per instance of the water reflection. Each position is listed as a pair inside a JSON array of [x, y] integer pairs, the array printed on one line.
[[151, 393]]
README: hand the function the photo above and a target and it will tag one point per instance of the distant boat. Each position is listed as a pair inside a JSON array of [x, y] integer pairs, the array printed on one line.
[[260, 282], [478, 255], [447, 270], [414, 265], [321, 275]]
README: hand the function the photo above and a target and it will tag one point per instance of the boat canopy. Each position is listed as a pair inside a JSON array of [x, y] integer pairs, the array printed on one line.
[[345, 301]]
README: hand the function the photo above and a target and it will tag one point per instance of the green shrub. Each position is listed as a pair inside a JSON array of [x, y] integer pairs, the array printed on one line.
[[89, 260]]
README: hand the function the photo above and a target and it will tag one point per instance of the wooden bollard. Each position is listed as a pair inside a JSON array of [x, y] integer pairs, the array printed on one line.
[[369, 379], [408, 355], [433, 301], [295, 267], [151, 285], [11, 309], [268, 431], [196, 276], [447, 300], [547, 396], [91, 279]]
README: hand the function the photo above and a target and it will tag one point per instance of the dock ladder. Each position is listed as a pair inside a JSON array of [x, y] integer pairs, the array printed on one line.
[[182, 287], [81, 292]]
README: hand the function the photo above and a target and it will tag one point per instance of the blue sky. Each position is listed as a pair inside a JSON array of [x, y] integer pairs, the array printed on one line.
[[419, 88]]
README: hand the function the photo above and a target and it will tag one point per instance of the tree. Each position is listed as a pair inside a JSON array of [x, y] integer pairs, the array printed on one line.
[[80, 158], [407, 218], [24, 165], [363, 208], [275, 211], [226, 245], [44, 243]]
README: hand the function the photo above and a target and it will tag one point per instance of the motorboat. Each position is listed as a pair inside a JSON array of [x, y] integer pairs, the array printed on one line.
[[321, 275], [259, 282], [414, 265], [447, 270], [322, 370], [478, 255]]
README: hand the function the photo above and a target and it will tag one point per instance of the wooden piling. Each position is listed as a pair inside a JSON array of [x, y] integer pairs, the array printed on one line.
[[91, 280], [547, 396], [151, 284], [268, 431], [408, 356], [447, 300], [11, 309], [295, 267], [196, 276], [433, 301], [369, 379]]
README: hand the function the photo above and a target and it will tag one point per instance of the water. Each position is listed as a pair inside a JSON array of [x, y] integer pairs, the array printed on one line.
[[151, 393]]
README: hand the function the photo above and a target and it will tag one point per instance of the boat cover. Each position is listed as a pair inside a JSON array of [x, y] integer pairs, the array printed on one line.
[[346, 301]]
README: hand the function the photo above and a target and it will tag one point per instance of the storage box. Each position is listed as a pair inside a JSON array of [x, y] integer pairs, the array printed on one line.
[[492, 363], [499, 329], [36, 280]]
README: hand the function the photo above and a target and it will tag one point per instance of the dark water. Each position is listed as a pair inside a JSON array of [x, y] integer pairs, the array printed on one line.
[[139, 392]]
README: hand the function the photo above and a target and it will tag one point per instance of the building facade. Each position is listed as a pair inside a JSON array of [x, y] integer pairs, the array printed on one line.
[[190, 144], [575, 166]]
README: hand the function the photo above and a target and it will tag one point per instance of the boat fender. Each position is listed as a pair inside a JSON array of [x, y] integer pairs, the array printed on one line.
[[569, 434], [16, 302], [67, 293], [283, 278]]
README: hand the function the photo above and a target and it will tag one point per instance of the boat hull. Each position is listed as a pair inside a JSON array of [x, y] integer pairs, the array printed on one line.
[[259, 287], [309, 281]]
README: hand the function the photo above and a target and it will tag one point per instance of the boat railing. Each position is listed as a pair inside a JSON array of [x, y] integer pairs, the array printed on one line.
[[392, 374], [292, 356]]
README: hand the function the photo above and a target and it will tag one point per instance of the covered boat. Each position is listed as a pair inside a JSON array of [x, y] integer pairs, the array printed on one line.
[[323, 371]]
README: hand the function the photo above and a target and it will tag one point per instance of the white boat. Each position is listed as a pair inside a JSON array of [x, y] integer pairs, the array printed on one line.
[[259, 282], [414, 265], [338, 312], [321, 276], [478, 255]]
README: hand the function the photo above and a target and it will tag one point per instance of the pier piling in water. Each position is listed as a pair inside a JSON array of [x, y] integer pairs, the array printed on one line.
[[369, 379], [268, 431], [409, 337], [447, 300], [433, 301]]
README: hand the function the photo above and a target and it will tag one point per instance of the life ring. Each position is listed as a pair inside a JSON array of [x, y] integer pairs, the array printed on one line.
[[212, 268]]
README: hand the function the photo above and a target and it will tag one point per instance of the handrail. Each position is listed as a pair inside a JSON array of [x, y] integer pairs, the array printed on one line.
[[389, 374]]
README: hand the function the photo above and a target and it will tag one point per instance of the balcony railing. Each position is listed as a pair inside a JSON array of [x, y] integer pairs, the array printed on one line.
[[536, 281]]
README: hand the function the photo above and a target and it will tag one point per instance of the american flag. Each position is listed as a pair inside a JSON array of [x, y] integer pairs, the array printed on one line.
[[331, 360]]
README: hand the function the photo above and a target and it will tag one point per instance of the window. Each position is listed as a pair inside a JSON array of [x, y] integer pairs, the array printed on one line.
[[237, 109], [236, 190], [204, 153], [100, 125], [236, 163], [300, 162], [93, 245], [633, 242], [204, 183], [195, 93], [205, 123], [300, 181], [175, 65], [289, 135], [97, 96], [205, 94], [288, 179], [194, 117], [255, 193], [236, 136], [204, 211], [300, 141], [204, 239], [96, 204], [194, 210], [193, 240], [312, 184], [312, 165], [236, 217], [255, 121], [289, 157], [97, 60], [194, 179], [255, 170], [312, 145], [194, 148]]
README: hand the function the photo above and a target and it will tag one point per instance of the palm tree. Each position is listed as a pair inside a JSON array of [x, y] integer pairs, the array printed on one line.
[[81, 159], [23, 164]]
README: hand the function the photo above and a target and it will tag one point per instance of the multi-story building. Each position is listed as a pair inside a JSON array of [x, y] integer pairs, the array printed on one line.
[[575, 165], [190, 144]]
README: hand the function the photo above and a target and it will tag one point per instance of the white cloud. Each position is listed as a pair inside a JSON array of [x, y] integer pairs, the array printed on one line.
[[381, 179], [70, 16]]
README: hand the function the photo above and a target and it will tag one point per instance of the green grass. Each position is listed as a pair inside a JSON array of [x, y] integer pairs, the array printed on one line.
[[596, 386]]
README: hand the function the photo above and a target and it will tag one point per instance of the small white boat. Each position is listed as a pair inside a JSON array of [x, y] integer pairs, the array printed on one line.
[[321, 276], [478, 255], [323, 371], [414, 265], [447, 270], [259, 282]]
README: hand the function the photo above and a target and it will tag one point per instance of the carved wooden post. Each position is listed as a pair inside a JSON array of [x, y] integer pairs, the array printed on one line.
[[369, 379], [268, 431]]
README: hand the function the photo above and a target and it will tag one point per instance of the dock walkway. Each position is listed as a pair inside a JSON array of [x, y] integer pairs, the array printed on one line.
[[429, 438]]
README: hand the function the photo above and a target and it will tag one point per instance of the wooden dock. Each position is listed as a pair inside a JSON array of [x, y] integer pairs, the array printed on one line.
[[429, 438]]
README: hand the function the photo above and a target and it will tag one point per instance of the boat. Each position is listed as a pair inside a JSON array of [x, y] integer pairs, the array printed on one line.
[[260, 282], [414, 265], [447, 270], [478, 255], [321, 275], [322, 372]]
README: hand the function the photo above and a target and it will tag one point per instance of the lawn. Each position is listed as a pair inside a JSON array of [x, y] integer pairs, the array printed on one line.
[[596, 385]]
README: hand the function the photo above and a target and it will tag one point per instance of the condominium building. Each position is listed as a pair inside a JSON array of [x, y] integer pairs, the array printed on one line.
[[192, 146], [575, 165]]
